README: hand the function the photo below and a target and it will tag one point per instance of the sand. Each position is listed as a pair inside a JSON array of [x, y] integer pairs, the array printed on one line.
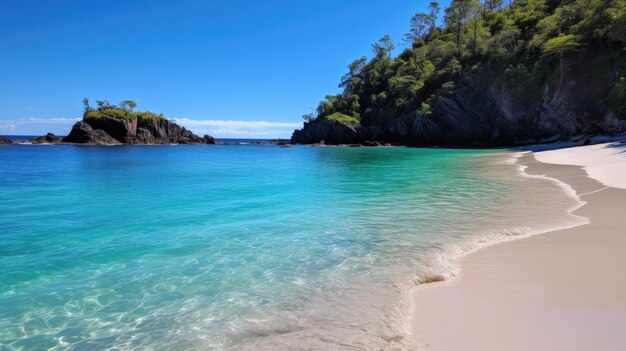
[[563, 290], [605, 163]]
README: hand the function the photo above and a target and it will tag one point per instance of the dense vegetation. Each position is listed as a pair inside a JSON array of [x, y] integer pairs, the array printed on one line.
[[123, 111], [530, 46]]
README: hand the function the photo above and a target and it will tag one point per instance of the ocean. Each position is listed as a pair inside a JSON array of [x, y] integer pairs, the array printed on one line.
[[245, 246]]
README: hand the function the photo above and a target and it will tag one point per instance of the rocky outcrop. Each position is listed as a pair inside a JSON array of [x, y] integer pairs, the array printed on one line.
[[133, 131], [5, 141], [482, 114], [333, 132], [46, 139], [123, 130], [83, 133]]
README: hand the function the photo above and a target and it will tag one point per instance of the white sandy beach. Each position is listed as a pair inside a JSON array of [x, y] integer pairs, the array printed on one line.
[[563, 290]]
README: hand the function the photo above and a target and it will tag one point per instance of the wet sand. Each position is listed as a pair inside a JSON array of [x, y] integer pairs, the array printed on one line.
[[562, 290]]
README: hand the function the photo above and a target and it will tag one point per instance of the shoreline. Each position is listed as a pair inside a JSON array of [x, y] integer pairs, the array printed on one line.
[[532, 291]]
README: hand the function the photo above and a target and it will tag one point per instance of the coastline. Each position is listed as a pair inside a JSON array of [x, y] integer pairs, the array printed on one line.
[[530, 293]]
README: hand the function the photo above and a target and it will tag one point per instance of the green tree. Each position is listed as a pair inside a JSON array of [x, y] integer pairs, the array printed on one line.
[[457, 15], [86, 107], [352, 80], [478, 35], [492, 5], [421, 24], [433, 14], [383, 47], [559, 47], [130, 104]]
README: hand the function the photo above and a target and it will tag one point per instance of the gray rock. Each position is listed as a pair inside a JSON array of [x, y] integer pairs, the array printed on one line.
[[332, 132], [134, 131], [584, 140], [46, 139], [5, 141], [83, 133], [481, 113], [207, 139], [552, 139]]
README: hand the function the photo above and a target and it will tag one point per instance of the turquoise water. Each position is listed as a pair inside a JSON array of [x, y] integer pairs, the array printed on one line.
[[243, 247]]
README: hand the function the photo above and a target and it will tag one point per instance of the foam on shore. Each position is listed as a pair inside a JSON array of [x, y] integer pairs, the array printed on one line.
[[512, 296]]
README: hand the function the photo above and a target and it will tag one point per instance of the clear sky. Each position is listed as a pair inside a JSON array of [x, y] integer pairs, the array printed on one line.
[[230, 68]]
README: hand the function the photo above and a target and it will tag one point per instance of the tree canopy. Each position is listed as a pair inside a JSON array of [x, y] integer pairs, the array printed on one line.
[[123, 111], [529, 44]]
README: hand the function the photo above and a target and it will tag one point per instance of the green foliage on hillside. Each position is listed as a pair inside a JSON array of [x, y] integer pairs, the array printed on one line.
[[530, 46], [340, 117], [122, 111]]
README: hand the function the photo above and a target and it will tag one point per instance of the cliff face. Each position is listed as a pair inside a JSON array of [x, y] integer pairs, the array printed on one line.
[[479, 114], [132, 131]]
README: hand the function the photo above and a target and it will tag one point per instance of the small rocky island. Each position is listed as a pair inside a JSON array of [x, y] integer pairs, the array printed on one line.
[[120, 124], [111, 124]]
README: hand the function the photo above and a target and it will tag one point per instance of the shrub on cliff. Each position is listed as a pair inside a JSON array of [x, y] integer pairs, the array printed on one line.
[[340, 117], [124, 111]]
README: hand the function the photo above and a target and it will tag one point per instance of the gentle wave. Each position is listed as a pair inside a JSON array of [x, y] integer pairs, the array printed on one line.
[[246, 247]]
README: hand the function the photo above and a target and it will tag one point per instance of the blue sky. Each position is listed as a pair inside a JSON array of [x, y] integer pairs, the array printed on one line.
[[232, 68]]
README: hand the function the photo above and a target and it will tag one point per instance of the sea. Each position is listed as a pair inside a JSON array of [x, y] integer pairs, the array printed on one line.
[[246, 247]]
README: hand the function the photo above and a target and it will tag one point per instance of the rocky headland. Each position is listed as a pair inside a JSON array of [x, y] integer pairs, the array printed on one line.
[[480, 114]]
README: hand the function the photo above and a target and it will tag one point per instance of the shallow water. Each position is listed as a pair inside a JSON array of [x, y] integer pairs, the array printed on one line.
[[258, 247]]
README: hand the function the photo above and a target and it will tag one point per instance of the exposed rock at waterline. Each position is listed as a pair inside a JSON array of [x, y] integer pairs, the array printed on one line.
[[49, 138], [480, 113], [107, 130], [83, 133], [5, 141]]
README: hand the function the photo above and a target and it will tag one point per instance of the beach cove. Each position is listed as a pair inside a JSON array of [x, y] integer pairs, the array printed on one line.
[[245, 246], [561, 290]]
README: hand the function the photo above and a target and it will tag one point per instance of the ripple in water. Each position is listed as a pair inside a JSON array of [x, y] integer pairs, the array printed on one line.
[[244, 247]]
